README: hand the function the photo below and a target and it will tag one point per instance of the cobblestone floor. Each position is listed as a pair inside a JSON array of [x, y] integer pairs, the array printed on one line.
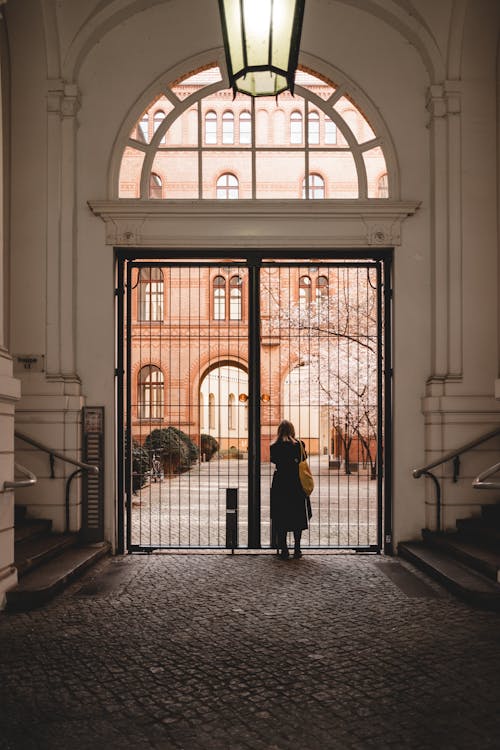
[[250, 653]]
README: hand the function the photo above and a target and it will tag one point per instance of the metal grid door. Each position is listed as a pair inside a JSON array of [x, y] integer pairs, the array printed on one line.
[[212, 356]]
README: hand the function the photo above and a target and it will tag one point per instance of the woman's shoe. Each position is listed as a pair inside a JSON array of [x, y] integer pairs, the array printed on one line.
[[297, 554], [284, 554]]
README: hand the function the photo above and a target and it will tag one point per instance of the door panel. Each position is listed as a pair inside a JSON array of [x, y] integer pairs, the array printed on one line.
[[215, 355]]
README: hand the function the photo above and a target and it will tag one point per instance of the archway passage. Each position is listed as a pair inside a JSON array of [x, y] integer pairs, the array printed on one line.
[[213, 354]]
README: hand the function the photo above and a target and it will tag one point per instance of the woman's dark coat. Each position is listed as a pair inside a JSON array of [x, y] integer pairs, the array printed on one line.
[[289, 503]]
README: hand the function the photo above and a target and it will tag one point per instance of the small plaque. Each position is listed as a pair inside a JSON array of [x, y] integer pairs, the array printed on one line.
[[29, 363], [93, 419]]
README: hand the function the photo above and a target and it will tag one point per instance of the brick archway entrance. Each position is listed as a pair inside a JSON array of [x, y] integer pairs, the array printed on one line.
[[212, 354]]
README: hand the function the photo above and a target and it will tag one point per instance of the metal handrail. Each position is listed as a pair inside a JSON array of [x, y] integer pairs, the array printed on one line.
[[88, 467], [480, 484], [455, 457], [30, 480], [81, 466], [456, 453]]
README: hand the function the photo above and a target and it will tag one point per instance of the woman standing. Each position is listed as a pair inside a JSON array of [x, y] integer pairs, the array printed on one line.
[[290, 507]]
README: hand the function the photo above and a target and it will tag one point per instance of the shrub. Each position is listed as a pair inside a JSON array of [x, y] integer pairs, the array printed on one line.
[[209, 446], [175, 449], [140, 466]]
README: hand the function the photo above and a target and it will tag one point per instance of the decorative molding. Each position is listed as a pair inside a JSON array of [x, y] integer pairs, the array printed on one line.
[[212, 223]]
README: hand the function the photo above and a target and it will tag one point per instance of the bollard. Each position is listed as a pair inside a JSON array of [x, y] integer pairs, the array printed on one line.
[[231, 518]]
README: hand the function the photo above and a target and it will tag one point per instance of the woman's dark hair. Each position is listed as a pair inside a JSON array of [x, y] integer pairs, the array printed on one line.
[[285, 430]]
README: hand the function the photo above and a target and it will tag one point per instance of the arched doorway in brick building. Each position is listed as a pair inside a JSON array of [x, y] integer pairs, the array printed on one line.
[[213, 354]]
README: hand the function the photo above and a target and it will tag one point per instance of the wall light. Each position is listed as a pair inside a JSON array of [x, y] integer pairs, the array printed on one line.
[[261, 40]]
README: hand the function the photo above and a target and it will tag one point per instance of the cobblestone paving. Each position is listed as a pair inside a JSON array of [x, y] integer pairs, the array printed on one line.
[[214, 652]]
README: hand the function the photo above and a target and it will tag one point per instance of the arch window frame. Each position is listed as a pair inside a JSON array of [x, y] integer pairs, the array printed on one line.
[[202, 100], [235, 297], [245, 128], [305, 291], [228, 128], [219, 293], [155, 186], [313, 128], [314, 187], [151, 295], [158, 118], [150, 392], [227, 186]]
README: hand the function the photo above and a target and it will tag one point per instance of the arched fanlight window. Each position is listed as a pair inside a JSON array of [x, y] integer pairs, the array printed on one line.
[[245, 128], [219, 298], [143, 128], [159, 116], [330, 132], [210, 128], [211, 411], [304, 291], [350, 154], [316, 188], [383, 187], [235, 298], [231, 412], [313, 128], [150, 294], [202, 411], [228, 127], [296, 127], [227, 187], [321, 289], [155, 186], [150, 385]]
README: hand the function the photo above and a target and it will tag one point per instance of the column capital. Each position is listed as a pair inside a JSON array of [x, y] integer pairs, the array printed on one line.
[[63, 97]]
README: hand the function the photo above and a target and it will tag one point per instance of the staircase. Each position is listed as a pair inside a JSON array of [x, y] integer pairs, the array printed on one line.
[[46, 562], [466, 561]]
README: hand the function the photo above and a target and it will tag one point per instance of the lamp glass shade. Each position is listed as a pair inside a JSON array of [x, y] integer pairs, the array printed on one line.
[[261, 40]]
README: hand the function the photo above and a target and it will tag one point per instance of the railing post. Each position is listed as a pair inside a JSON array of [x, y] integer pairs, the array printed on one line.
[[438, 498]]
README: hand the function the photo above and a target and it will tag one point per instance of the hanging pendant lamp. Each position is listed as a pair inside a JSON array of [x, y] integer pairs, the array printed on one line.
[[261, 40]]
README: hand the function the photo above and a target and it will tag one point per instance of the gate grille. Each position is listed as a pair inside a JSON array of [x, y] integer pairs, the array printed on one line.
[[215, 355]]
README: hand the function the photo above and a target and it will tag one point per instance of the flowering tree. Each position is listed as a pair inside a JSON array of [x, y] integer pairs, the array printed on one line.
[[334, 340]]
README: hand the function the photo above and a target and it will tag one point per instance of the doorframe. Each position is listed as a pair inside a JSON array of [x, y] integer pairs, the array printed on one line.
[[253, 257]]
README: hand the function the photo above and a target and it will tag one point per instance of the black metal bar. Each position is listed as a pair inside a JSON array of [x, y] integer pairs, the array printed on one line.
[[128, 409], [380, 420], [51, 461], [438, 498], [456, 468], [231, 518], [120, 480], [388, 540], [68, 485], [254, 489], [253, 254]]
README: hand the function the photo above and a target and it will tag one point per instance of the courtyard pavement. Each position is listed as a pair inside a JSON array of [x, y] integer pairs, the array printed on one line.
[[248, 652]]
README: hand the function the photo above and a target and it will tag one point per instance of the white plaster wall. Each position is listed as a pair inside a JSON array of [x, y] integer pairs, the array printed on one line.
[[392, 59]]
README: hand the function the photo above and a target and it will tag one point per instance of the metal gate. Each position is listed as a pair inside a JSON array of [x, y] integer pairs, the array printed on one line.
[[212, 355]]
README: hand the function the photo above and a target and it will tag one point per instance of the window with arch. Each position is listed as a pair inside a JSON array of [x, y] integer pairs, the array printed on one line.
[[321, 289], [227, 187], [219, 297], [245, 128], [211, 411], [231, 412], [210, 128], [159, 116], [143, 128], [296, 128], [228, 128], [150, 384], [313, 128], [314, 131], [151, 293], [382, 187], [316, 187], [235, 285], [304, 291], [330, 132], [155, 186]]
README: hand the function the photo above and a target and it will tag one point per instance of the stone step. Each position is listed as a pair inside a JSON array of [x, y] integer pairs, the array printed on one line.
[[483, 559], [43, 583], [30, 553], [457, 577], [32, 528], [491, 514], [479, 530]]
